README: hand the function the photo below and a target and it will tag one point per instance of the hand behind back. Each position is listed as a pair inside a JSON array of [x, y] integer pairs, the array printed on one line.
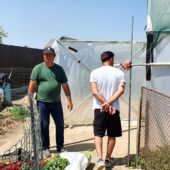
[[108, 108]]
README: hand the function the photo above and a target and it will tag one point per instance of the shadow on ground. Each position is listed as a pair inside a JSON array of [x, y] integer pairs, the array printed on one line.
[[90, 146], [91, 166], [118, 162], [2, 108], [124, 160], [77, 147], [80, 147]]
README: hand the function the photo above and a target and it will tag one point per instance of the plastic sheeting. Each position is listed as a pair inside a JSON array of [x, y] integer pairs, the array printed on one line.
[[159, 26], [79, 58], [160, 79], [77, 160], [158, 15]]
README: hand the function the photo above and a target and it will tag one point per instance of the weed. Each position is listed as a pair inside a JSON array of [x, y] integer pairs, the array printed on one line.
[[2, 116], [153, 160], [19, 113], [137, 162]]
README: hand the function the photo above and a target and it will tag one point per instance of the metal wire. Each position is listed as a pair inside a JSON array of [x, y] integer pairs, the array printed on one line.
[[28, 150], [154, 120]]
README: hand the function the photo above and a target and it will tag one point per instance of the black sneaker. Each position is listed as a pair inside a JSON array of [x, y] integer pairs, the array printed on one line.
[[110, 162]]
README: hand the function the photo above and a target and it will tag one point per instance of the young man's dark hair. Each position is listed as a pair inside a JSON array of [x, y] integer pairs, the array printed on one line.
[[106, 56]]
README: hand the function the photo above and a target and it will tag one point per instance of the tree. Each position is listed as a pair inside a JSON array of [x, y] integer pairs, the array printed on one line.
[[2, 34]]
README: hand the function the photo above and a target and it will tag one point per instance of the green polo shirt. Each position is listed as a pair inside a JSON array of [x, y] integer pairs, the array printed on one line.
[[49, 80]]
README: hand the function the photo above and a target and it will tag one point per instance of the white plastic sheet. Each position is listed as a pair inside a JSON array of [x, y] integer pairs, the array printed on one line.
[[160, 79], [77, 160]]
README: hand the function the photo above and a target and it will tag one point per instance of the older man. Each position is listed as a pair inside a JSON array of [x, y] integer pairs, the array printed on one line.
[[46, 80]]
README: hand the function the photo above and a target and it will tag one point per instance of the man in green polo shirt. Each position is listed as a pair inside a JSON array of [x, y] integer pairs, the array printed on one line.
[[46, 80]]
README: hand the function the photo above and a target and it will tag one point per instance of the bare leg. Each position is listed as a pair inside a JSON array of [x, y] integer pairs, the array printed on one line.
[[98, 143], [110, 146]]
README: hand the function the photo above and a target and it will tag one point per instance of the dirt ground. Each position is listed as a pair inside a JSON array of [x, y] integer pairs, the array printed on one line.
[[81, 139], [78, 139]]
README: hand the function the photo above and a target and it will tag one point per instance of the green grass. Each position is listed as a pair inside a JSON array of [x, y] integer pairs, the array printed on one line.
[[153, 160], [19, 113], [2, 116]]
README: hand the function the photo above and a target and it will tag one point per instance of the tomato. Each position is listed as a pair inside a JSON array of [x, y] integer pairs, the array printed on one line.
[[44, 162], [13, 166], [18, 165], [7, 168], [7, 162], [41, 163], [1, 166]]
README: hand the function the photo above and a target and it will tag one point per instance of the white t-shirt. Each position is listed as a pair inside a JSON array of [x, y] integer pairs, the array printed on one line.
[[107, 79]]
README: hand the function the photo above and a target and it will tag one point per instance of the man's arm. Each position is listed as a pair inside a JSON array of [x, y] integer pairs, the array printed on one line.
[[96, 93], [99, 97], [68, 96], [117, 94], [126, 66], [32, 86], [31, 90]]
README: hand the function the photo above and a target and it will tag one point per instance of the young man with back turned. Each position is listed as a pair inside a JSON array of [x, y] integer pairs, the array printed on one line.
[[107, 85]]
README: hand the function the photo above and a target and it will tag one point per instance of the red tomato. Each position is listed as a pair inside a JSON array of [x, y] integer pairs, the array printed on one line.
[[40, 163], [45, 162], [1, 167], [13, 166], [7, 168], [18, 165], [31, 163], [7, 162]]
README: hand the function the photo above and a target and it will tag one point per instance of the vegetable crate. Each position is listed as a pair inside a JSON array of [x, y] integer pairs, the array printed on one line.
[[27, 153]]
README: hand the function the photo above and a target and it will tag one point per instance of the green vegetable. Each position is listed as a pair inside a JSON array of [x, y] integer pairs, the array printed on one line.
[[56, 163], [87, 154]]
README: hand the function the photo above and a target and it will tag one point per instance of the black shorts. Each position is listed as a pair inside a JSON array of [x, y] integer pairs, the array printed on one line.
[[103, 122]]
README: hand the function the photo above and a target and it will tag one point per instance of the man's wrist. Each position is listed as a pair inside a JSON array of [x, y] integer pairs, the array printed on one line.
[[30, 94]]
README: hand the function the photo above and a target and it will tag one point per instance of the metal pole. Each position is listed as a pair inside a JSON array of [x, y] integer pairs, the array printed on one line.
[[98, 41], [152, 64], [130, 79], [145, 64], [30, 96]]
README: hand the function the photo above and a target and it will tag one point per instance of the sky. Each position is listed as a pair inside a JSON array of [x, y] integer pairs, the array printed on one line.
[[33, 23]]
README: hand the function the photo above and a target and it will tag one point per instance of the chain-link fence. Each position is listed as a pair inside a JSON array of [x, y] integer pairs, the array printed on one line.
[[154, 120], [27, 153]]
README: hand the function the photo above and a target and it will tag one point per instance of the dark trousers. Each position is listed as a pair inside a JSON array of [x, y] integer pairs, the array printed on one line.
[[56, 111]]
